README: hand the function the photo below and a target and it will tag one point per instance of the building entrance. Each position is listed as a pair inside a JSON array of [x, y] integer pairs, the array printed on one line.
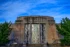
[[34, 33]]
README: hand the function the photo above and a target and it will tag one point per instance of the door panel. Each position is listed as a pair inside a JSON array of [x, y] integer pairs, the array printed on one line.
[[27, 33], [35, 33]]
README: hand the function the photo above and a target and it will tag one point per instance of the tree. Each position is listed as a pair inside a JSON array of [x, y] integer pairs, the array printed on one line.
[[64, 30], [4, 33]]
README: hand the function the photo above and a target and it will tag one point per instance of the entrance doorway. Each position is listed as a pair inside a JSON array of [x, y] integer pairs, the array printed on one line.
[[34, 33]]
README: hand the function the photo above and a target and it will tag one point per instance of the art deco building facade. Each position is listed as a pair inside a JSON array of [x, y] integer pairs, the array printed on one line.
[[35, 30]]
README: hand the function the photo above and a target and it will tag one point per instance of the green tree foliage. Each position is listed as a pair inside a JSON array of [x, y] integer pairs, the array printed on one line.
[[4, 32], [64, 29]]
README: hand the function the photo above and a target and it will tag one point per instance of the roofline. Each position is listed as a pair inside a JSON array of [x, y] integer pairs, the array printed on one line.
[[35, 16]]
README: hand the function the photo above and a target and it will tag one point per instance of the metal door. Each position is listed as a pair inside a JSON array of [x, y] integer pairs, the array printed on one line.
[[34, 33]]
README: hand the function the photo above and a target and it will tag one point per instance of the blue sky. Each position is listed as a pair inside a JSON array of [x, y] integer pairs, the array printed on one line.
[[11, 9]]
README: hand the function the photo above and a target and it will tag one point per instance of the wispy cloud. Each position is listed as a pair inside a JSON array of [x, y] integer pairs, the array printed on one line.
[[11, 9]]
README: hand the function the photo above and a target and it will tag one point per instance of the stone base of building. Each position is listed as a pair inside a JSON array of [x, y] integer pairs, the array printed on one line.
[[29, 45]]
